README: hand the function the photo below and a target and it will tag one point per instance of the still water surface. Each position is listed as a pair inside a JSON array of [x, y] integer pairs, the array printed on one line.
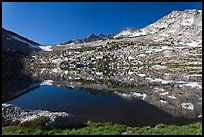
[[98, 108], [143, 97]]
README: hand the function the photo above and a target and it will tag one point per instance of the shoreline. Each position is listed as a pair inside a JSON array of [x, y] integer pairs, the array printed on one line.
[[38, 122]]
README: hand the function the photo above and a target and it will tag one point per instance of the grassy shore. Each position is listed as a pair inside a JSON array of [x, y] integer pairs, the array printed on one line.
[[105, 129]]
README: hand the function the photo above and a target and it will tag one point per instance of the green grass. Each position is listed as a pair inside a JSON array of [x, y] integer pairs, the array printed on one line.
[[106, 129], [192, 129]]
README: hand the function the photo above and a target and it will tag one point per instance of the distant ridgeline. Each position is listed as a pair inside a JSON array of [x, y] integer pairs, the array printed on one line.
[[163, 42]]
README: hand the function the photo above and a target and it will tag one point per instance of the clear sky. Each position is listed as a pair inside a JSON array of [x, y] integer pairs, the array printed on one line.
[[54, 22]]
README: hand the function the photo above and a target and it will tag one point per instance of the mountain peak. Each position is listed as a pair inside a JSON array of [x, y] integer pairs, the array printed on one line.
[[91, 35], [187, 22], [90, 38], [130, 29]]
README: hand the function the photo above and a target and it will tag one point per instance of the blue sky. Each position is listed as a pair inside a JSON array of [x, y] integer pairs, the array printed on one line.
[[54, 22]]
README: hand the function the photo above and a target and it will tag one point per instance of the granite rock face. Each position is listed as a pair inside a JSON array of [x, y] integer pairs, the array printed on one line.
[[11, 113], [178, 27]]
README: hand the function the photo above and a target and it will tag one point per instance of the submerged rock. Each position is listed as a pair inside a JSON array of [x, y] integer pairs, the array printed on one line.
[[11, 113]]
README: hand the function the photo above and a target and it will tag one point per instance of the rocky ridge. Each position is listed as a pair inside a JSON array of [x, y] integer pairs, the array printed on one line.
[[178, 27], [92, 37], [175, 38]]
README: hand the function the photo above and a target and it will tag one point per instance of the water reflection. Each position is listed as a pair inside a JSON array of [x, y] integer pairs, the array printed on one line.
[[14, 81], [159, 94]]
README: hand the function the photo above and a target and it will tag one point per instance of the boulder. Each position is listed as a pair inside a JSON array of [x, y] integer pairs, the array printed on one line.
[[11, 113]]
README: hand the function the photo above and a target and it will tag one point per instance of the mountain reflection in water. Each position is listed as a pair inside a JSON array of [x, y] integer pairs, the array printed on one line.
[[137, 96]]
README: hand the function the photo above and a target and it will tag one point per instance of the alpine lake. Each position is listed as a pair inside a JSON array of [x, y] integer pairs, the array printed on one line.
[[144, 95]]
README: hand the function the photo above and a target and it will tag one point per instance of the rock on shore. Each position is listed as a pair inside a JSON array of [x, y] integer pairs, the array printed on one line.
[[11, 113]]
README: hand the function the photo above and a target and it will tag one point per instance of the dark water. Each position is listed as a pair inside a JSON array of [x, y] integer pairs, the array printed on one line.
[[138, 105], [97, 108]]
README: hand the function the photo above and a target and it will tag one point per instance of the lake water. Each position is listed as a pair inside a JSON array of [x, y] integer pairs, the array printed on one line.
[[143, 97]]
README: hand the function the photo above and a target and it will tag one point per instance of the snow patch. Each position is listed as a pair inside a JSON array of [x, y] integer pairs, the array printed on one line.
[[192, 44], [66, 72], [56, 70], [21, 40], [138, 33], [167, 48], [99, 73], [46, 48], [162, 101], [128, 33], [141, 55], [141, 75], [130, 57], [187, 22], [172, 31], [159, 67], [158, 90], [157, 40], [165, 93], [148, 78], [71, 44], [192, 84], [161, 81], [180, 82], [130, 72], [187, 106], [172, 97], [132, 94], [162, 48], [46, 82], [135, 94]]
